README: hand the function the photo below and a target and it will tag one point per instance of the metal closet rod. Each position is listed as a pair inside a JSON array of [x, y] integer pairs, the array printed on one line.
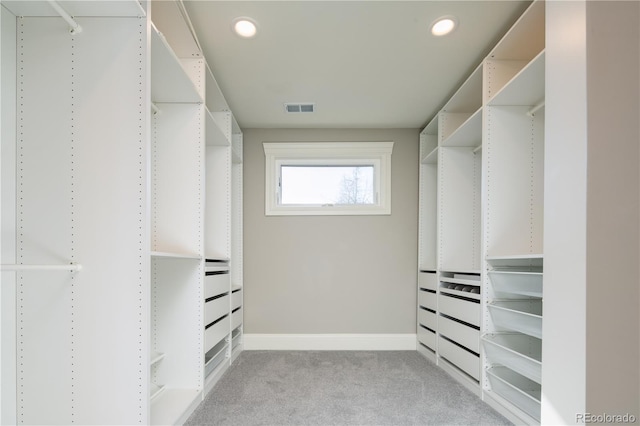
[[72, 267], [75, 27], [535, 108]]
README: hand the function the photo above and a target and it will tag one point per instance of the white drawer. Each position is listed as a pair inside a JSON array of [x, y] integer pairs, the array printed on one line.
[[236, 319], [216, 284], [215, 308], [427, 280], [460, 333], [428, 319], [463, 359], [427, 299], [236, 299], [461, 309], [427, 338], [214, 334]]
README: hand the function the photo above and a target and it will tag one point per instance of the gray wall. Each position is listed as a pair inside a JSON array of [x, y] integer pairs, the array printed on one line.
[[331, 274]]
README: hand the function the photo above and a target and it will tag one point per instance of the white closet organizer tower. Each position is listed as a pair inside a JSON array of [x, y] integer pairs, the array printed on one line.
[[120, 174], [481, 210]]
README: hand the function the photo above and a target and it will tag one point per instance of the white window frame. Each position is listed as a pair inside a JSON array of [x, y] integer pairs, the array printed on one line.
[[377, 154]]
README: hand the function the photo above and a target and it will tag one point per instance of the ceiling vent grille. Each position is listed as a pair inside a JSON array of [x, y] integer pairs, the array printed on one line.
[[299, 107]]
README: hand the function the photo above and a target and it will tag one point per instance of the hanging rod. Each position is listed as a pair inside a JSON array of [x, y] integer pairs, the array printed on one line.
[[535, 108], [155, 108], [75, 27], [73, 267], [477, 148]]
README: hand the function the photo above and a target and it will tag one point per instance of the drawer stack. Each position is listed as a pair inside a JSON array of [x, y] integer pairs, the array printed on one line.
[[459, 322], [513, 347], [427, 312], [217, 318]]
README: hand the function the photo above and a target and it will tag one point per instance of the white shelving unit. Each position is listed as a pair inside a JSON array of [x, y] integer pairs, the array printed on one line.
[[427, 309], [106, 179], [480, 239], [77, 160]]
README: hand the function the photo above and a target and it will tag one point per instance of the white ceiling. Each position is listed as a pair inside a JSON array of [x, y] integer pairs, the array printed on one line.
[[365, 64]]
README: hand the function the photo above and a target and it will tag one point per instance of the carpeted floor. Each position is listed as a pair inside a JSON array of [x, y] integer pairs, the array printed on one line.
[[340, 388]]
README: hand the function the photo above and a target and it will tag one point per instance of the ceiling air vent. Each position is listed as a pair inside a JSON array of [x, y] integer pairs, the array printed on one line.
[[299, 107]]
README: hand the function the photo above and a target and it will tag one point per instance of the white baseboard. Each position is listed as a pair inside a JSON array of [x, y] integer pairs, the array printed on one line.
[[330, 342]]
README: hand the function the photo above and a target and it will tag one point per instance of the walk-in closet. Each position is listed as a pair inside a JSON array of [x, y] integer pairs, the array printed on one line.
[[150, 250]]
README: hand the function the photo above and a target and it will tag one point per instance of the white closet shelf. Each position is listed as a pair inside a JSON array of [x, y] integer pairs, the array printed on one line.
[[78, 8], [525, 88], [71, 267], [519, 352], [168, 255], [518, 390], [517, 283], [169, 81], [525, 38], [214, 133], [469, 96], [469, 134], [431, 158], [156, 357], [172, 404], [522, 263], [455, 280], [219, 355], [524, 316], [155, 391]]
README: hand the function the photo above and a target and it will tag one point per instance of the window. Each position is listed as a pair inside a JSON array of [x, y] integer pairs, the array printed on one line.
[[328, 178]]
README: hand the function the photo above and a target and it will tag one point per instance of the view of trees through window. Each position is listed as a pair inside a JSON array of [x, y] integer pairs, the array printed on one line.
[[319, 185]]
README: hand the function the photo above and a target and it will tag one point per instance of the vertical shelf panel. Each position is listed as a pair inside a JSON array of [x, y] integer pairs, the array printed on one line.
[[428, 187], [459, 210], [177, 179], [109, 163], [428, 216], [77, 130], [514, 151], [218, 202], [177, 322], [8, 203], [236, 212]]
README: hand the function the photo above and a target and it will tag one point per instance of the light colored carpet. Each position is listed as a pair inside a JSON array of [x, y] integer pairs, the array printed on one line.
[[340, 388]]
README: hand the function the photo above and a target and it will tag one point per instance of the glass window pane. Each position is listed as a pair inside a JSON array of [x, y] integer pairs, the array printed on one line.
[[327, 185]]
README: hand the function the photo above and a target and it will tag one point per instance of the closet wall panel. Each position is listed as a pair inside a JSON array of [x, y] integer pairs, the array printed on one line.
[[43, 183], [8, 216], [81, 158]]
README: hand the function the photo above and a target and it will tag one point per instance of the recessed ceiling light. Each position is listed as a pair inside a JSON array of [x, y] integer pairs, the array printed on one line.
[[443, 26], [245, 27]]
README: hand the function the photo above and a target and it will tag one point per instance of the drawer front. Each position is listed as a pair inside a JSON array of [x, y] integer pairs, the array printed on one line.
[[427, 299], [216, 284], [464, 360], [236, 319], [460, 333], [428, 319], [215, 308], [427, 338], [461, 309], [236, 299], [214, 334], [427, 280]]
